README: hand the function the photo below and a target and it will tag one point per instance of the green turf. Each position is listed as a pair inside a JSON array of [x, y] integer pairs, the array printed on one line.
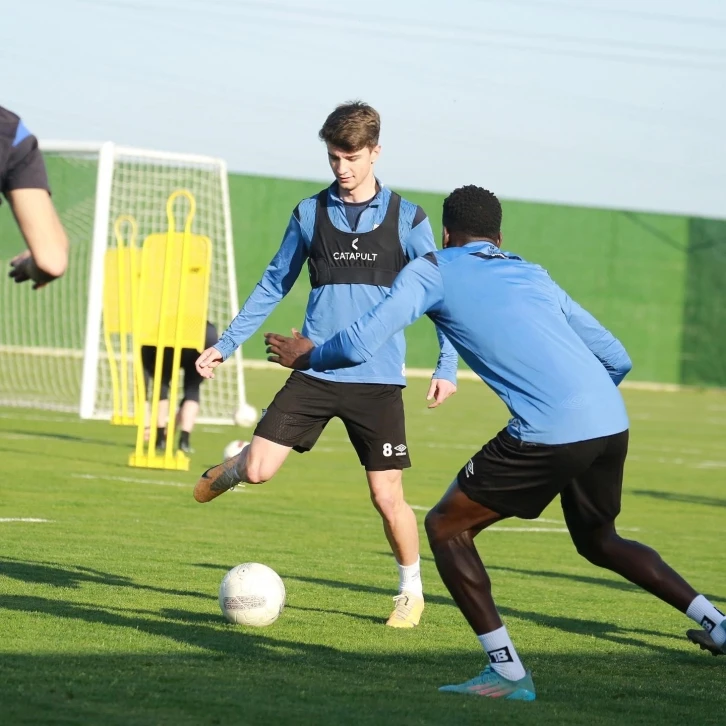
[[109, 611]]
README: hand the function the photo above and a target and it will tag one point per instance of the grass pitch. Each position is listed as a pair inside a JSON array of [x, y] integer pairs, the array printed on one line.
[[110, 616]]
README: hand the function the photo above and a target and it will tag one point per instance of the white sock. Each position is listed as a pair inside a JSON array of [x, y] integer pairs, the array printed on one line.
[[708, 617], [410, 578], [502, 655]]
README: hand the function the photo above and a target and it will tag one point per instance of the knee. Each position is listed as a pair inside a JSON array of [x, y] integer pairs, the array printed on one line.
[[434, 529], [386, 490], [596, 549], [387, 502]]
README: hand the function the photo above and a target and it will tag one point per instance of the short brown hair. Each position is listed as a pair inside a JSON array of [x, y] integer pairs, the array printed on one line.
[[352, 126]]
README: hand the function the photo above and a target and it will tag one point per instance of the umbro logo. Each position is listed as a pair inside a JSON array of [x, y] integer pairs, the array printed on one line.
[[400, 449], [354, 244], [501, 655], [470, 468]]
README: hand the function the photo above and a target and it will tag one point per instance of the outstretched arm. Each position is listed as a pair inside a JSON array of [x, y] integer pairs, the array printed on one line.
[[603, 344], [420, 242], [276, 282], [416, 291], [25, 186]]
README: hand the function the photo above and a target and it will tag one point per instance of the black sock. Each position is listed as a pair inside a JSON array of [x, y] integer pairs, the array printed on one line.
[[184, 438], [160, 435]]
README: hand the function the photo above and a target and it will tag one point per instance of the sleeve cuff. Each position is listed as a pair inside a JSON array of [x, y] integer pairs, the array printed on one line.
[[446, 375], [224, 351], [315, 355]]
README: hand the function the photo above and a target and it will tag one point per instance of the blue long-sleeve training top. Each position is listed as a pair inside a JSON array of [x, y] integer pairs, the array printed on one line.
[[554, 366], [333, 307]]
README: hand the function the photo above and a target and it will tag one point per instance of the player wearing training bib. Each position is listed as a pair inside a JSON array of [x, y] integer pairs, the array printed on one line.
[[355, 237], [24, 183], [557, 371]]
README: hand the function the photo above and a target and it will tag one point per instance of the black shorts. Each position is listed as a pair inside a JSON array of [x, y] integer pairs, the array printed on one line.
[[192, 379], [371, 412], [187, 363], [519, 479]]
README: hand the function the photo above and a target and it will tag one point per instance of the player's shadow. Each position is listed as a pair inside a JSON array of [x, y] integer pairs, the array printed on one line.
[[213, 662], [74, 577], [622, 585], [70, 437], [346, 613], [680, 498], [200, 630], [585, 579], [576, 626], [220, 673], [75, 458]]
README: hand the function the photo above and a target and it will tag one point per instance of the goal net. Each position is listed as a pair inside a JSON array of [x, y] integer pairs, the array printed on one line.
[[52, 352]]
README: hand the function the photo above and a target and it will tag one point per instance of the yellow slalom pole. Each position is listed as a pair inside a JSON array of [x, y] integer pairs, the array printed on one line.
[[175, 369], [161, 338], [137, 367]]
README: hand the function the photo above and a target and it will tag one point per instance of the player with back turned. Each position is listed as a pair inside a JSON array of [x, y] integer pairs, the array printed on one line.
[[557, 370]]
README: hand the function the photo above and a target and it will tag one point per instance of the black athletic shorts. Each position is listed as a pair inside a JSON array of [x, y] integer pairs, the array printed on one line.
[[192, 379], [519, 479], [187, 363], [371, 412]]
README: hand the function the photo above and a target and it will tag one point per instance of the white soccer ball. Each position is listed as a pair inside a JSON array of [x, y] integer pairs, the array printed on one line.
[[245, 415], [233, 448], [252, 594]]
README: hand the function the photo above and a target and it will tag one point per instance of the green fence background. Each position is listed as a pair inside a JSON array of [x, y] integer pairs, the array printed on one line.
[[657, 281]]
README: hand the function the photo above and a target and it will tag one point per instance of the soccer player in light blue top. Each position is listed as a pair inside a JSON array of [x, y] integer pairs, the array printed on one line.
[[557, 370], [356, 236]]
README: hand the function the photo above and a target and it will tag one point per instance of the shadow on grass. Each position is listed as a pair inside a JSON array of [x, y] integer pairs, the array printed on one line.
[[680, 498], [576, 626], [106, 462], [76, 576], [48, 573], [622, 585], [230, 675], [72, 437]]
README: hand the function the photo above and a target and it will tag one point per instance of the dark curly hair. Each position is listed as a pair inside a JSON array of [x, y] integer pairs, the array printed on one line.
[[471, 212]]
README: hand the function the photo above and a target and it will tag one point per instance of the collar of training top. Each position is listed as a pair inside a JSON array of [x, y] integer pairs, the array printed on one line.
[[484, 248], [334, 196]]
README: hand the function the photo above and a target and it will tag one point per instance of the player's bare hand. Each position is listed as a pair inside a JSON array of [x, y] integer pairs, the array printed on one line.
[[289, 352], [208, 361], [439, 390], [23, 268]]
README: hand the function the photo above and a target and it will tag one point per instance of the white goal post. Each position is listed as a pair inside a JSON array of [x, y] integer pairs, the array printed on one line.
[[52, 352]]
